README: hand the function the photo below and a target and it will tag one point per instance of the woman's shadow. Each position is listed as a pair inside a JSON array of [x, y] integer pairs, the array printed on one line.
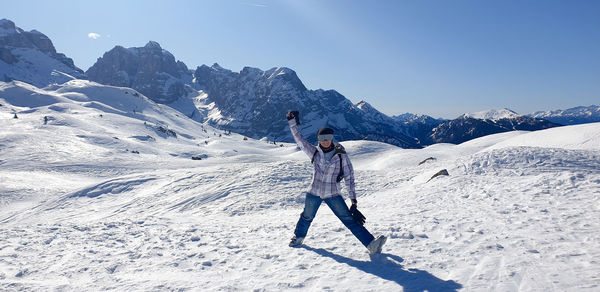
[[387, 266]]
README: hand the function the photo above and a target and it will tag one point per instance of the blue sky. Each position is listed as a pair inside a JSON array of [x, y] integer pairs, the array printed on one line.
[[441, 58]]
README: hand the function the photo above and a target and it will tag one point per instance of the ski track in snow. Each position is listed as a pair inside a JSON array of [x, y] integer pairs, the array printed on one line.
[[77, 212]]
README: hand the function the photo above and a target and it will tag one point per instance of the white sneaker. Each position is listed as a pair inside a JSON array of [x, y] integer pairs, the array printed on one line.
[[296, 241], [376, 245]]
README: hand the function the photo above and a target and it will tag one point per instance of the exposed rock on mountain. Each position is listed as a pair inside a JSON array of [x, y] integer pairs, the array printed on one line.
[[466, 128], [30, 56], [419, 126], [150, 70], [253, 102]]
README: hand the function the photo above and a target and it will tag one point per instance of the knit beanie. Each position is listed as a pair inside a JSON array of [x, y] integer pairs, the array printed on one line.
[[325, 131]]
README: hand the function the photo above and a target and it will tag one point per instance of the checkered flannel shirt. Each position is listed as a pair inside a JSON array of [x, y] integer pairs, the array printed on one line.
[[324, 181]]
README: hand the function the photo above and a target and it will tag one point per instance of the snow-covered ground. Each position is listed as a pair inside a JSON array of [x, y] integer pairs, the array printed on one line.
[[103, 195]]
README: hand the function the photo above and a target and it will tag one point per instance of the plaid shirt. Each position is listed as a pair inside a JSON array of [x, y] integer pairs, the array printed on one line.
[[324, 182]]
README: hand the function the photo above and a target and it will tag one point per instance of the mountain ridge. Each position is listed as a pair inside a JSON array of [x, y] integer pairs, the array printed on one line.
[[150, 70], [253, 101], [571, 116], [30, 56]]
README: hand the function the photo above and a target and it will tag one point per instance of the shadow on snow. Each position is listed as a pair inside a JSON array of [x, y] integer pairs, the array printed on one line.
[[387, 266]]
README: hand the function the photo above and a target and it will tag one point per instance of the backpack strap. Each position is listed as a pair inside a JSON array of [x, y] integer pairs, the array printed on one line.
[[312, 160], [339, 150], [341, 174]]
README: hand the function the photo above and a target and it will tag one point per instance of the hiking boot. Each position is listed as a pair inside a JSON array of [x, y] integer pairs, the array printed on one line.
[[375, 246], [296, 241]]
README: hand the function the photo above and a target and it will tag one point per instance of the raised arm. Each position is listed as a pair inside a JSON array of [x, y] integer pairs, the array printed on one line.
[[306, 147]]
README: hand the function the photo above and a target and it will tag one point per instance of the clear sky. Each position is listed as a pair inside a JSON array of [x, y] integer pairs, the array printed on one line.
[[441, 58]]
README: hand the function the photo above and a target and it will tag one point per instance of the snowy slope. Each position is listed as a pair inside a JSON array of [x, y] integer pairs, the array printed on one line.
[[102, 128], [79, 212], [585, 137], [36, 68]]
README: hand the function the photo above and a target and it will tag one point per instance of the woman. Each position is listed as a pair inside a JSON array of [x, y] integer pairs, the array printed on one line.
[[331, 165]]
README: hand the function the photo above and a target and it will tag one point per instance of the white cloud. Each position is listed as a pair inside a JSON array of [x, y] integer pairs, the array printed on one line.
[[93, 35]]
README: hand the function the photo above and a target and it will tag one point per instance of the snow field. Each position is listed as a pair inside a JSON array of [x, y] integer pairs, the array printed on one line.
[[80, 211]]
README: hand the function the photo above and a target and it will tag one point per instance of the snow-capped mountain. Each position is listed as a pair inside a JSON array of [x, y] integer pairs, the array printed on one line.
[[254, 102], [471, 126], [571, 116], [468, 126], [493, 114], [30, 56], [150, 70], [419, 126]]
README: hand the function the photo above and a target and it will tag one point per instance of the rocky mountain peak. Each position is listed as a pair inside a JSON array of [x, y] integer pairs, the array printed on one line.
[[286, 75], [218, 67], [32, 58], [150, 70], [278, 71], [406, 117], [7, 27], [250, 71], [13, 36], [153, 45], [365, 106]]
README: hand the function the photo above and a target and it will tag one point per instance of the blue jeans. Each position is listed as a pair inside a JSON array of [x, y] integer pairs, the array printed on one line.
[[339, 208]]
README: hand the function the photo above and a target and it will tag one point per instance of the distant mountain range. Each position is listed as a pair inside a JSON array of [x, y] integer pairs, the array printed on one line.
[[253, 102], [470, 126], [572, 116]]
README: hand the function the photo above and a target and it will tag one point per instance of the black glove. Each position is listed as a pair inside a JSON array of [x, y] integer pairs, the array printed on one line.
[[294, 115], [359, 218]]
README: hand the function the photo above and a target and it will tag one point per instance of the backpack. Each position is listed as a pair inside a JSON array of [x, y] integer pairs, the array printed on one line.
[[339, 150]]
